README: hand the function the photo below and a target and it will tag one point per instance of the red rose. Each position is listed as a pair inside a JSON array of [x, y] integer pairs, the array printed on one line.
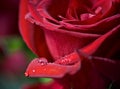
[[81, 38]]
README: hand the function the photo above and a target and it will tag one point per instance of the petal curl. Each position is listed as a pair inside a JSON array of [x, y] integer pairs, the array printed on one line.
[[41, 68], [33, 37]]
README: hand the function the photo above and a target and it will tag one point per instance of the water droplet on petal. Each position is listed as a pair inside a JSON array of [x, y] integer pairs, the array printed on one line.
[[42, 61], [33, 70], [26, 74]]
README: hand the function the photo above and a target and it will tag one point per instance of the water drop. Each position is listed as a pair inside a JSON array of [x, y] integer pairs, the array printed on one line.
[[33, 70], [42, 61], [26, 74]]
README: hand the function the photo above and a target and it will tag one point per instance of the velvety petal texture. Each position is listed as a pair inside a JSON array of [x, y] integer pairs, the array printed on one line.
[[76, 41]]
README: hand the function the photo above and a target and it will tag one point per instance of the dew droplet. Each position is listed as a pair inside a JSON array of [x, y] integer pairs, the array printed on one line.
[[26, 74], [33, 70], [42, 61]]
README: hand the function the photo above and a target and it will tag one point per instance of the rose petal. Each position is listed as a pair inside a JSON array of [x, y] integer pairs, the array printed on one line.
[[107, 67], [91, 48], [88, 77], [96, 28], [33, 37], [38, 69]]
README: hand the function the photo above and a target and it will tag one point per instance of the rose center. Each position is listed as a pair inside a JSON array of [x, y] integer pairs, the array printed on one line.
[[86, 16], [72, 15]]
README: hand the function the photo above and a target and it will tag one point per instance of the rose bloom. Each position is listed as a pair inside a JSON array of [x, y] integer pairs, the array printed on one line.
[[76, 41]]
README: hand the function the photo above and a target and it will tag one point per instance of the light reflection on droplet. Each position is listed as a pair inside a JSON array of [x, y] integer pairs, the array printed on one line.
[[33, 70], [26, 74], [42, 61]]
